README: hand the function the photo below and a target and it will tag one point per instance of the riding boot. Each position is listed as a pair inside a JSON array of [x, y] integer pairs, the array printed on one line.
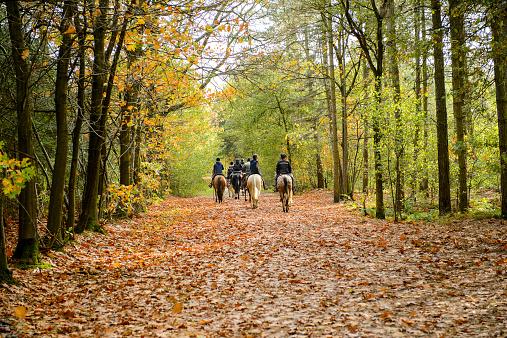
[[209, 185]]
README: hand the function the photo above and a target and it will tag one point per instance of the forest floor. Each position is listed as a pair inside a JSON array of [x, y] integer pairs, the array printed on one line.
[[193, 268]]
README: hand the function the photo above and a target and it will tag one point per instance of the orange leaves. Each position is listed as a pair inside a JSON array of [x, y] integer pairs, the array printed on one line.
[[20, 312], [187, 267], [178, 308]]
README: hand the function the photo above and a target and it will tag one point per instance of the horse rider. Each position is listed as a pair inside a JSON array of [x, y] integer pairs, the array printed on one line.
[[237, 166], [218, 168], [229, 170], [254, 169], [283, 167], [246, 167]]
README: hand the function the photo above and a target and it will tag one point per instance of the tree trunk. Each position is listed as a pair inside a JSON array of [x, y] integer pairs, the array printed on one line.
[[458, 55], [318, 158], [444, 191], [76, 132], [499, 29], [376, 65], [417, 90], [345, 131], [424, 181], [399, 195], [5, 272], [55, 237], [365, 133], [377, 133], [27, 249], [337, 184], [88, 217]]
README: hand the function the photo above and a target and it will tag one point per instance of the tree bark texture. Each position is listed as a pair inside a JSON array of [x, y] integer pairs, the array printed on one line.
[[27, 248], [444, 190], [399, 195], [417, 91], [55, 229], [5, 272], [499, 30], [337, 182], [344, 110], [76, 132], [88, 217], [458, 57]]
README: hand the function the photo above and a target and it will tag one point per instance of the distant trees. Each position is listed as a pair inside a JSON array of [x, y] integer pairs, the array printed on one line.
[[403, 111]]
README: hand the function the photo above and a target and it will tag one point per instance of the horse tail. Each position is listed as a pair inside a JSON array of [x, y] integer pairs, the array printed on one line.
[[219, 190], [286, 185]]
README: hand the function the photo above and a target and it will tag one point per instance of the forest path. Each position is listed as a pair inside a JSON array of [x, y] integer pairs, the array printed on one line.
[[193, 268]]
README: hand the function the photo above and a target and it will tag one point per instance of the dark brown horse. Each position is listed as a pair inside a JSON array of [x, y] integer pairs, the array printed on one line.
[[219, 184], [236, 183]]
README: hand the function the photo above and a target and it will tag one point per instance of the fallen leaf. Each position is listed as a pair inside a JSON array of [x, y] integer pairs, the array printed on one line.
[[20, 311]]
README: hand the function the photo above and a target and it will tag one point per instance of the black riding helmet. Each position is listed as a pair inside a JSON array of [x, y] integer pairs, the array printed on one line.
[[218, 159], [282, 156], [254, 156]]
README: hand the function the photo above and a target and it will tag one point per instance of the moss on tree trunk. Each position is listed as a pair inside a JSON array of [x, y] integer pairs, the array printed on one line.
[[27, 253], [94, 226], [6, 276]]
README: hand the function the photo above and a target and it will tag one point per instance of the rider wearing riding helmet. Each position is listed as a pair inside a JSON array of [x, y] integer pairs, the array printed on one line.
[[218, 168], [237, 166], [283, 167], [230, 169], [254, 169]]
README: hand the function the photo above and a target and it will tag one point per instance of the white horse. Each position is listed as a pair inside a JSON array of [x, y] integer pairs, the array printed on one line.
[[254, 187], [284, 187]]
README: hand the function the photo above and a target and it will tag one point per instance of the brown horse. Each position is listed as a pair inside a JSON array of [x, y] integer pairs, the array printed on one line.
[[219, 184], [284, 187]]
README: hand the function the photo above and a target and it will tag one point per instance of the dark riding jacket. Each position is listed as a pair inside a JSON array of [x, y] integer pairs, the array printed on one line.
[[254, 167], [237, 166], [283, 167], [218, 168]]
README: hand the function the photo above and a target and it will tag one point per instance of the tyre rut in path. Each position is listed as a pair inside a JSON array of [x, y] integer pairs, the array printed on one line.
[[190, 267]]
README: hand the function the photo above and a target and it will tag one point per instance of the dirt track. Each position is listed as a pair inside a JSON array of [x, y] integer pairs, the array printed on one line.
[[193, 268]]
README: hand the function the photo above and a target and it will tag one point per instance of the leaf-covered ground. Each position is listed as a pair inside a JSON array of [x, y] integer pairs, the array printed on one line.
[[193, 268]]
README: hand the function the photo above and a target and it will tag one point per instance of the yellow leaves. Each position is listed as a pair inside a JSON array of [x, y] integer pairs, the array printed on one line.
[[141, 21], [70, 30], [131, 47], [25, 54]]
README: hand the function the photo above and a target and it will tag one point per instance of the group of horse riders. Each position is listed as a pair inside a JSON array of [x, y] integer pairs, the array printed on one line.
[[251, 167]]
